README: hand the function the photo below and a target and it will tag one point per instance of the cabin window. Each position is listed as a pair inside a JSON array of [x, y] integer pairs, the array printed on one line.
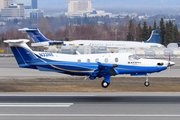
[[106, 60], [116, 59], [79, 61], [97, 60], [88, 60], [134, 57]]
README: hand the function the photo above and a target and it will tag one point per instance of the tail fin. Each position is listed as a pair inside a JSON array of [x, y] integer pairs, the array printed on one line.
[[35, 35], [155, 37], [22, 52]]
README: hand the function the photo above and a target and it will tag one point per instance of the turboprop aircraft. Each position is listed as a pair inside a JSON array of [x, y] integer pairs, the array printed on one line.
[[91, 65], [41, 40]]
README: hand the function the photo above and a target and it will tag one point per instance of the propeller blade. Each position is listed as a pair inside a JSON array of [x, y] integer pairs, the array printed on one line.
[[169, 65], [169, 60], [169, 72]]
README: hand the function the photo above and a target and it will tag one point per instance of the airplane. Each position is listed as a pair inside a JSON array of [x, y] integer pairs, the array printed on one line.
[[91, 65], [41, 40]]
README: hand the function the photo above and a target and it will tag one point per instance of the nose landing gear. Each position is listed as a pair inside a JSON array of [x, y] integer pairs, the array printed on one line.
[[146, 83]]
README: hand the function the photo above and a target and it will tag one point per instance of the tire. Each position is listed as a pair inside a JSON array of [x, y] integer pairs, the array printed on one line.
[[147, 84], [105, 84]]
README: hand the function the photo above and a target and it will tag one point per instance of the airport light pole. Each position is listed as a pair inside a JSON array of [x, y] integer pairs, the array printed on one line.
[[172, 29]]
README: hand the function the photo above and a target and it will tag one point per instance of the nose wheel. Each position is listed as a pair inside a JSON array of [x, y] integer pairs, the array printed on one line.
[[105, 84], [146, 83]]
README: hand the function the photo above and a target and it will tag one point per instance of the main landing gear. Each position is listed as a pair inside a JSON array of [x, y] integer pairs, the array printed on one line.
[[146, 83], [105, 84]]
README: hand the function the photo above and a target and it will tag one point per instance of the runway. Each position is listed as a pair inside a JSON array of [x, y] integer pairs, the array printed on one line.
[[126, 106]]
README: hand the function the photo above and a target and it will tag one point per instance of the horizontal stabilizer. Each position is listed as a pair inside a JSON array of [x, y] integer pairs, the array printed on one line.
[[17, 41], [28, 29]]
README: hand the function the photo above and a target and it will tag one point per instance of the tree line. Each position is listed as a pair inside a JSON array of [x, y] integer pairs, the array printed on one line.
[[72, 32], [120, 32], [168, 31]]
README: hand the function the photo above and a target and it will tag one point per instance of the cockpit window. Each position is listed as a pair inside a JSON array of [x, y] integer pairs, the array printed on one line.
[[134, 57]]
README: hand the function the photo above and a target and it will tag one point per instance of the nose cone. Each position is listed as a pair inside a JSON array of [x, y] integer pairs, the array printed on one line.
[[171, 63]]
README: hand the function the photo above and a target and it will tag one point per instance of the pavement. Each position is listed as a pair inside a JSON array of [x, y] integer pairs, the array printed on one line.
[[90, 106]]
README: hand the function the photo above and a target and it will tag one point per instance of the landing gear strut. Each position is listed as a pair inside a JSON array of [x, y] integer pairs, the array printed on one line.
[[105, 84], [146, 83]]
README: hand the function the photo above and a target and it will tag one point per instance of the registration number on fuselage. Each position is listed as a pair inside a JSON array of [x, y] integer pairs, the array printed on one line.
[[46, 54]]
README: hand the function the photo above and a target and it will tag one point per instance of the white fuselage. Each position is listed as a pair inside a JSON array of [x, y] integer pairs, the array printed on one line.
[[116, 58], [118, 44]]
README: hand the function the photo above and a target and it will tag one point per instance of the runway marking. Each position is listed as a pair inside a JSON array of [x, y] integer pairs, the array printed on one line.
[[35, 104], [87, 115]]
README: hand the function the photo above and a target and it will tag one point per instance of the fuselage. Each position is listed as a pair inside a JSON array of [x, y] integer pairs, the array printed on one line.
[[86, 64], [118, 44]]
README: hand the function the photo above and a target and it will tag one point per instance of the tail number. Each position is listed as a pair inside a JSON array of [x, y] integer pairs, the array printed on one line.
[[46, 54]]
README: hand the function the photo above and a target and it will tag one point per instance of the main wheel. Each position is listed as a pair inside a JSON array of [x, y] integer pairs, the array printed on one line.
[[105, 84], [146, 84]]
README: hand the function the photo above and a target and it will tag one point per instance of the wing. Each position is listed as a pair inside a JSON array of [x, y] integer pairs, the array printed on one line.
[[103, 70]]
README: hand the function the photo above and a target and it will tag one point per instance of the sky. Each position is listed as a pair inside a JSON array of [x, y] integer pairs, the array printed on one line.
[[115, 4], [111, 3]]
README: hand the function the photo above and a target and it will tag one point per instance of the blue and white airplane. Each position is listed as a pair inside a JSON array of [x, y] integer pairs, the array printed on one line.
[[41, 40], [91, 65]]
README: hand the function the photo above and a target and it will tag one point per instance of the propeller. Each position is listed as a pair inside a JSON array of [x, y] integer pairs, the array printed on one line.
[[169, 65]]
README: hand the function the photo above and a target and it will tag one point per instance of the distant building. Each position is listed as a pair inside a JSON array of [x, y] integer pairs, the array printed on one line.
[[15, 10], [78, 6], [34, 4], [5, 4], [29, 4], [36, 14], [90, 13], [33, 13], [96, 13], [83, 9]]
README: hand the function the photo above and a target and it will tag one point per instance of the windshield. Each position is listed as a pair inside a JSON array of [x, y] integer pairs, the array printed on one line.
[[134, 57]]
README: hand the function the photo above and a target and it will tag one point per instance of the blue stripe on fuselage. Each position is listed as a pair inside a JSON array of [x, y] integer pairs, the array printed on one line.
[[84, 68]]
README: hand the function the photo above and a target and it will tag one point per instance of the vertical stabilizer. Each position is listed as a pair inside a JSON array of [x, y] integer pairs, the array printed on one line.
[[35, 35], [154, 38], [22, 52]]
